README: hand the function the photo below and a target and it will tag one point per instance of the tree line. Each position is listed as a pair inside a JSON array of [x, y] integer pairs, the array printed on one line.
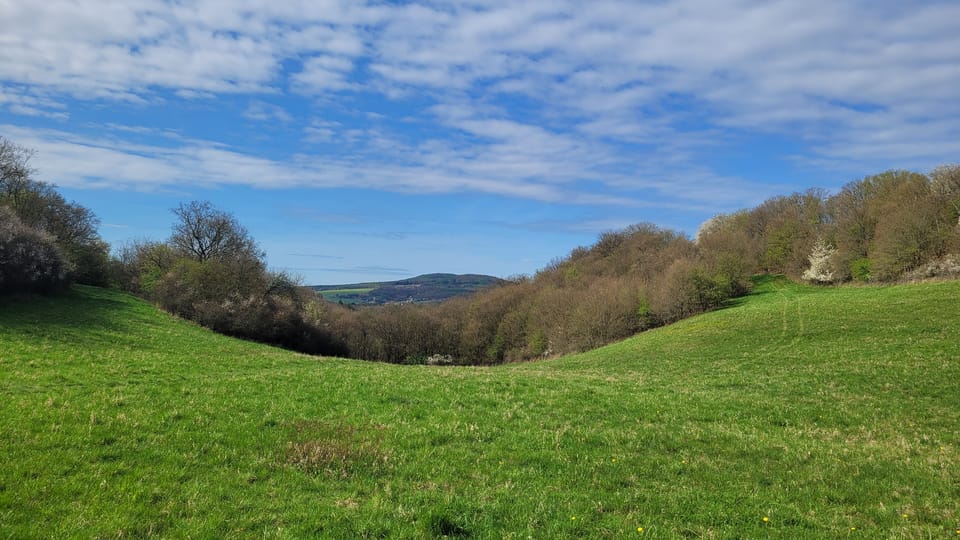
[[897, 225], [887, 227]]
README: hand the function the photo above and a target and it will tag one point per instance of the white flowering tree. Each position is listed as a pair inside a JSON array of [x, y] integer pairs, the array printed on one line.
[[820, 270]]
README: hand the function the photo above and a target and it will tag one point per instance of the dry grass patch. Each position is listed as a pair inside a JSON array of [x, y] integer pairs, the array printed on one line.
[[336, 449]]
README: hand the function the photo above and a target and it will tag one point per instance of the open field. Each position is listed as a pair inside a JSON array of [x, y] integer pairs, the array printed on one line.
[[424, 288], [347, 296], [798, 412]]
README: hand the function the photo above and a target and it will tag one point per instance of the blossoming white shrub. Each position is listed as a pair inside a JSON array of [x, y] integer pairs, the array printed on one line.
[[821, 269]]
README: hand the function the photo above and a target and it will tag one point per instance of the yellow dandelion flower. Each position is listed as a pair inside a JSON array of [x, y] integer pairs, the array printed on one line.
[[905, 516], [853, 528], [573, 518], [766, 519], [639, 529]]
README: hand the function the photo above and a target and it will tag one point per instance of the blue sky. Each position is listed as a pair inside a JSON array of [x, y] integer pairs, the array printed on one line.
[[376, 140]]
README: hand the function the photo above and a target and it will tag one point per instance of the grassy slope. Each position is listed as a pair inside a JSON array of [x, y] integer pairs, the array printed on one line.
[[424, 288], [822, 410]]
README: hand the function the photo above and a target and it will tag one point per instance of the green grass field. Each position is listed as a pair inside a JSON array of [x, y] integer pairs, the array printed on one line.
[[799, 412], [347, 296]]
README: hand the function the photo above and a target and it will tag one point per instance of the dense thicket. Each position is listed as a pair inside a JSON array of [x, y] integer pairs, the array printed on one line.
[[628, 281], [882, 228], [30, 261], [43, 218], [211, 271]]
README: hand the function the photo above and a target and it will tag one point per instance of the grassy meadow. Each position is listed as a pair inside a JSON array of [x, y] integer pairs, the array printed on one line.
[[796, 412], [347, 296]]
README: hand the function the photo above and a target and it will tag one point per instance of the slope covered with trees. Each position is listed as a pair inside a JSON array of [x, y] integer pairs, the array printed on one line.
[[213, 272], [892, 226]]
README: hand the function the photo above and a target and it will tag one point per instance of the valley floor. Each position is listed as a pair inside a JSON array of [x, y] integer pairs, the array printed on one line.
[[797, 412]]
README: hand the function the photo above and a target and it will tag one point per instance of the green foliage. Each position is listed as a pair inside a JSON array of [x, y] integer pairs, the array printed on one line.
[[140, 266], [780, 248], [571, 275], [821, 409], [495, 350], [347, 296], [897, 219], [537, 343], [784, 228], [646, 318], [860, 269]]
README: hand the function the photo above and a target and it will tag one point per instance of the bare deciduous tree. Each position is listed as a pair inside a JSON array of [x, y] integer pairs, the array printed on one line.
[[15, 171], [203, 233]]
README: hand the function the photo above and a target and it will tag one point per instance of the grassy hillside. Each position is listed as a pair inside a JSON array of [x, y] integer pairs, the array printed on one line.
[[798, 413], [425, 288]]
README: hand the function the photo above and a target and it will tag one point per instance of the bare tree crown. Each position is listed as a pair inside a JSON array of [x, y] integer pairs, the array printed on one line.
[[203, 233]]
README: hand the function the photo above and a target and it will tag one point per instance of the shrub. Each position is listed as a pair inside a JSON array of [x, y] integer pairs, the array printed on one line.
[[944, 267], [688, 288], [30, 261], [860, 269], [820, 270], [537, 344], [38, 205]]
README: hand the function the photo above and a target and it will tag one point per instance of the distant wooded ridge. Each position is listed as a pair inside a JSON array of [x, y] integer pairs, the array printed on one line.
[[419, 289]]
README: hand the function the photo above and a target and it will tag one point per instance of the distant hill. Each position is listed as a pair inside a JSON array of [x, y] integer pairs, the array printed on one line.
[[425, 288]]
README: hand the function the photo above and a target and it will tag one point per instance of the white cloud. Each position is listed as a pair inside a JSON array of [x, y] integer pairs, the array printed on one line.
[[18, 102], [761, 66], [27, 110], [267, 112], [323, 73], [81, 162], [322, 131], [531, 96], [129, 49]]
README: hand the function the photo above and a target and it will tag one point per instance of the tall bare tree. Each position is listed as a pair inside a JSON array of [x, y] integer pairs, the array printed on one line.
[[203, 233]]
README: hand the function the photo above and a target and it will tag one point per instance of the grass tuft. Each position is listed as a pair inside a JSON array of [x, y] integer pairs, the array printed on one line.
[[335, 449]]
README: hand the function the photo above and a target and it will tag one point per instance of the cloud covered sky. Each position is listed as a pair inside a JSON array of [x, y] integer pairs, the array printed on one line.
[[370, 140]]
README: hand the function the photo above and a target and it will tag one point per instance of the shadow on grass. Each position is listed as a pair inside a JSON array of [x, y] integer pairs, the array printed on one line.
[[760, 285], [81, 308], [768, 283]]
